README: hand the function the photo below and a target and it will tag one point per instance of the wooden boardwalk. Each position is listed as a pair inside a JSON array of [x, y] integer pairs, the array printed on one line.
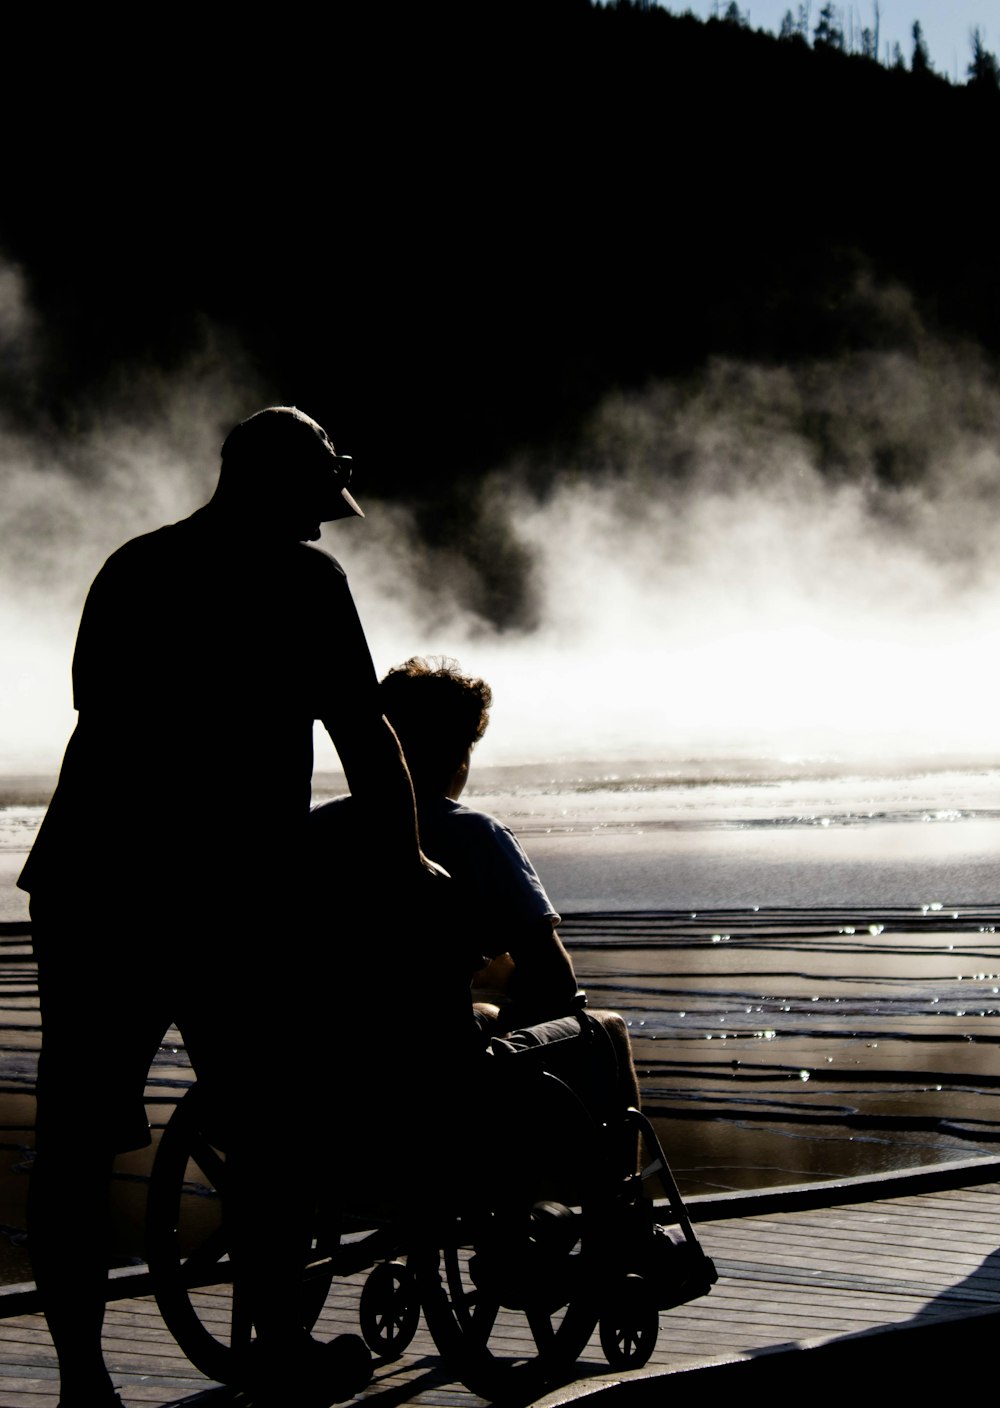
[[914, 1252], [787, 1277]]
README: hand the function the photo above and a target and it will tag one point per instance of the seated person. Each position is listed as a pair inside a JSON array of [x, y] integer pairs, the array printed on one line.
[[422, 954]]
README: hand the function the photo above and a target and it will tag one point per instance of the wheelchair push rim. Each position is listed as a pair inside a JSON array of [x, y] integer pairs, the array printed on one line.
[[510, 1307]]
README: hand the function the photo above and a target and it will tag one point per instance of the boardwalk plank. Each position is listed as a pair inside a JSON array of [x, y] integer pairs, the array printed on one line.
[[785, 1278]]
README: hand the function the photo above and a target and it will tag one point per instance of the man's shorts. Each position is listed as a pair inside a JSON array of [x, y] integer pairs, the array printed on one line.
[[549, 1090], [107, 996], [103, 1018], [576, 1050]]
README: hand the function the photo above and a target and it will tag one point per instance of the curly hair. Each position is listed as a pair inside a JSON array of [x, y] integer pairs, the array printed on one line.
[[438, 712]]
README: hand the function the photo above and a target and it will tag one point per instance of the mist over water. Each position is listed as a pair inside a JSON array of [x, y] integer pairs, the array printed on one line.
[[755, 562], [768, 561]]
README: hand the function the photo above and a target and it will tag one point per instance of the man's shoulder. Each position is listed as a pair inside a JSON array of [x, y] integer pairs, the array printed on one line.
[[485, 859], [474, 819], [308, 570], [331, 815], [149, 551], [317, 561], [153, 544], [199, 537], [466, 824]]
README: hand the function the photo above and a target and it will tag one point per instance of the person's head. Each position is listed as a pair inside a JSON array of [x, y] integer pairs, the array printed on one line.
[[439, 714], [281, 472]]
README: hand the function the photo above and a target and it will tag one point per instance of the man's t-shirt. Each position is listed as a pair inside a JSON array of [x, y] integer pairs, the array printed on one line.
[[501, 892], [406, 958], [201, 662]]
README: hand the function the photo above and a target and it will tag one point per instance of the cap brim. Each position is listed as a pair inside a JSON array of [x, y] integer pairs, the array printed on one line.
[[352, 503]]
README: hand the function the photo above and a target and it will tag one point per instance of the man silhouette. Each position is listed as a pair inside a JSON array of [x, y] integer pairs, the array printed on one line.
[[167, 860]]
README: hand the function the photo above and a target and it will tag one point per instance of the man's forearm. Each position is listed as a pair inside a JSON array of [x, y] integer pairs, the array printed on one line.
[[379, 781], [543, 980]]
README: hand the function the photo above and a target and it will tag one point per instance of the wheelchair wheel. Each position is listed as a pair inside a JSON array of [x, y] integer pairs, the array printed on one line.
[[188, 1256], [630, 1324], [511, 1299], [389, 1309]]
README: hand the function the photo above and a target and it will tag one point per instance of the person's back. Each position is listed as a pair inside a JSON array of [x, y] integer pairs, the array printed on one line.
[[197, 678]]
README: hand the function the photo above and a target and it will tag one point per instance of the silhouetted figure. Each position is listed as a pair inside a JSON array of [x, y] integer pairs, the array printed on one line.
[[437, 1058], [166, 866]]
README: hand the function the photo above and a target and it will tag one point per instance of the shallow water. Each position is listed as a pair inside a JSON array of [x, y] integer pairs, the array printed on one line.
[[773, 1047], [781, 1047]]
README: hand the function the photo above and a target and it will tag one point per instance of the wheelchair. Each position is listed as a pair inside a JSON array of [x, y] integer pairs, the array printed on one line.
[[512, 1280]]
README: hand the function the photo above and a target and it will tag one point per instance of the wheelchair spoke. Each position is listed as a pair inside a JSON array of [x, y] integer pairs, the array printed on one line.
[[209, 1161], [462, 1300], [629, 1325], [511, 1311], [626, 1341], [540, 1325], [484, 1315], [202, 1265], [240, 1324], [389, 1309]]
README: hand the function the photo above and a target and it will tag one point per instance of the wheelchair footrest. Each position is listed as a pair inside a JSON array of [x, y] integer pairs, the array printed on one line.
[[674, 1269]]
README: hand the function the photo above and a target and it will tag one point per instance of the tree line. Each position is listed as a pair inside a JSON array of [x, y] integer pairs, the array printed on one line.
[[843, 30]]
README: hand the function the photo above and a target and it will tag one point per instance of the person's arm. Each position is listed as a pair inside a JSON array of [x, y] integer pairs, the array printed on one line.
[[517, 918], [542, 982], [368, 748], [378, 778]]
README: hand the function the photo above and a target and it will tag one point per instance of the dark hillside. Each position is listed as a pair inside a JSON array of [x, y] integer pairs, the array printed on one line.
[[447, 232]]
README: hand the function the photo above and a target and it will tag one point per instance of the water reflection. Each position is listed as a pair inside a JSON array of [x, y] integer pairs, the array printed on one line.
[[776, 1046]]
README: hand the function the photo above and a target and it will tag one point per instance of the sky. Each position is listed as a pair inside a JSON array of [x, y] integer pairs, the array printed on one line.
[[946, 24]]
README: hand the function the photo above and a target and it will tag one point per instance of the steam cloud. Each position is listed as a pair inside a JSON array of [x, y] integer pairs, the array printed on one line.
[[760, 558]]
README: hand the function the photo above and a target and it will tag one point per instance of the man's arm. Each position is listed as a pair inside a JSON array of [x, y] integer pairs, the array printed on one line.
[[543, 982], [379, 781], [516, 917], [368, 748]]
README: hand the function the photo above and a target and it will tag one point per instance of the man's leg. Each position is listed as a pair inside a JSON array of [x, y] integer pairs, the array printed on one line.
[[87, 1000], [245, 1040], [616, 1031], [592, 1054], [68, 1238], [244, 1061]]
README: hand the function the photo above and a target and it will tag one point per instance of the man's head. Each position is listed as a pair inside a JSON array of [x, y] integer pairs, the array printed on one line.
[[280, 468], [438, 714]]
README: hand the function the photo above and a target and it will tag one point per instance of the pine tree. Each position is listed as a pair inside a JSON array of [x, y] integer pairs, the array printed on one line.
[[983, 71], [921, 61], [828, 32]]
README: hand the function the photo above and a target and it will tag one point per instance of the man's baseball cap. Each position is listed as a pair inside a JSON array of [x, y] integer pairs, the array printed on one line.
[[284, 434]]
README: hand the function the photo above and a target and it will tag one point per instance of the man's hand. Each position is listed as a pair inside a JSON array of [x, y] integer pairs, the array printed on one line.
[[433, 869]]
